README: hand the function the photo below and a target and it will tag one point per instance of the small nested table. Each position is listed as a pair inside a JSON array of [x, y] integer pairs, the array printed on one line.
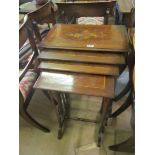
[[81, 59]]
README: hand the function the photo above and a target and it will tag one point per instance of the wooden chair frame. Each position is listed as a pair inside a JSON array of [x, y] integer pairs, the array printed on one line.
[[44, 14], [130, 64], [25, 32]]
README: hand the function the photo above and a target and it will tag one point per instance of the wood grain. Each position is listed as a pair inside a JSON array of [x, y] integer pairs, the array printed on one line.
[[80, 68], [87, 37], [81, 56], [75, 83]]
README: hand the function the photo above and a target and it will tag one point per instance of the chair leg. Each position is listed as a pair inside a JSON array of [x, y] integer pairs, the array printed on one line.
[[126, 146], [125, 105], [123, 92], [26, 116]]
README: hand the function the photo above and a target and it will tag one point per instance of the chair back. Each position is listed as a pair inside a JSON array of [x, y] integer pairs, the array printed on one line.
[[44, 14], [26, 35], [78, 9]]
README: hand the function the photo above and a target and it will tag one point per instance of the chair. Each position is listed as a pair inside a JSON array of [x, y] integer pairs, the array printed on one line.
[[40, 16], [129, 144], [130, 64], [70, 11], [28, 77], [45, 14]]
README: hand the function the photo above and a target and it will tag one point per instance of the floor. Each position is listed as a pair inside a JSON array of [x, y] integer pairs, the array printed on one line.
[[79, 137]]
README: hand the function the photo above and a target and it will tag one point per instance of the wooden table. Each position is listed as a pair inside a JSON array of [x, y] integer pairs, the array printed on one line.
[[124, 11], [82, 59], [110, 38]]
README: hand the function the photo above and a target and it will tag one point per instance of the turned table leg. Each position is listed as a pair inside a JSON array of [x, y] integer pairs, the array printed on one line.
[[60, 110], [106, 106]]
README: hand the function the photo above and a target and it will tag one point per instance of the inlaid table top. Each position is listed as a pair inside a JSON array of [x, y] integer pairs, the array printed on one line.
[[77, 83], [87, 37]]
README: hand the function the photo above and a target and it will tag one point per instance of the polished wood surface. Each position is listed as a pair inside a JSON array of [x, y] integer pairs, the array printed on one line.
[[76, 9], [75, 83], [82, 56], [79, 68], [87, 37]]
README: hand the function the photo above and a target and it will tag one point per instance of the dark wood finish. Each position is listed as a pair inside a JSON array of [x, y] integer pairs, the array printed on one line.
[[126, 146], [70, 74], [129, 87], [79, 68], [87, 37], [45, 14], [76, 9], [25, 32], [125, 105], [123, 92], [85, 57], [106, 105], [129, 144], [130, 57], [77, 83]]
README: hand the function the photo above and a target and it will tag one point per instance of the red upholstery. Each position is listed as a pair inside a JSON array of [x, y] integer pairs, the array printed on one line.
[[26, 84]]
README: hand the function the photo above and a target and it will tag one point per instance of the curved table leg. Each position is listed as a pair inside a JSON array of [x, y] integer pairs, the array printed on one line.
[[57, 99], [67, 104], [106, 105], [125, 105]]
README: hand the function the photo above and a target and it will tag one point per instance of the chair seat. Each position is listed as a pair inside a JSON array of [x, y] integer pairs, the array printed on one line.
[[91, 20], [25, 59], [26, 84]]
